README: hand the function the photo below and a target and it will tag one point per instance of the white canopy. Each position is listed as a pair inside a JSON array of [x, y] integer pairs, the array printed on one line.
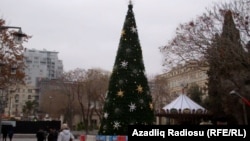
[[183, 104]]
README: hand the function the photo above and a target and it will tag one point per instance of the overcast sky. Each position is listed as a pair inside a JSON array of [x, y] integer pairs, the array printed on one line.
[[86, 33]]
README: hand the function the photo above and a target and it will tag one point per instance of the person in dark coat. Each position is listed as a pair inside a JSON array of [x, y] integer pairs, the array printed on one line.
[[10, 132], [4, 132], [40, 135], [52, 134]]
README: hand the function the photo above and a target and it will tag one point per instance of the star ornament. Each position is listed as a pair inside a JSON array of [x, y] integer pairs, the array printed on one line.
[[120, 93], [151, 106], [123, 33], [139, 89]]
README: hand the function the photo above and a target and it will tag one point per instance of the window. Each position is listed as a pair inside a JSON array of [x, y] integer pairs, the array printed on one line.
[[29, 90], [16, 98]]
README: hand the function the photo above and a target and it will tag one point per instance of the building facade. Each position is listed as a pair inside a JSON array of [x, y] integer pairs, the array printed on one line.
[[17, 100], [180, 78], [39, 64]]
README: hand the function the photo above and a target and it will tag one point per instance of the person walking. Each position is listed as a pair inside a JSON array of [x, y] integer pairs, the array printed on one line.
[[65, 134], [40, 135], [4, 132], [10, 132], [52, 136]]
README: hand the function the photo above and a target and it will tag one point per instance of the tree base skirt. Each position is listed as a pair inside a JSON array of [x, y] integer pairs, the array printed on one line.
[[111, 138]]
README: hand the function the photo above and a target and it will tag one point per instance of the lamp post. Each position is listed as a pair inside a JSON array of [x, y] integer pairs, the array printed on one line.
[[18, 37], [245, 102], [50, 100]]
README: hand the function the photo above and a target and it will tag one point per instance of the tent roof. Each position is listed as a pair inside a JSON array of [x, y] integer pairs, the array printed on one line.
[[183, 104]]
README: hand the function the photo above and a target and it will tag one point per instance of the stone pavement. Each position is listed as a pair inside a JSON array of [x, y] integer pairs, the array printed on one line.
[[24, 139], [31, 137]]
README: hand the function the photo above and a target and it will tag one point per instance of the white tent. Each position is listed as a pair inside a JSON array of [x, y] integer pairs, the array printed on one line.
[[183, 104]]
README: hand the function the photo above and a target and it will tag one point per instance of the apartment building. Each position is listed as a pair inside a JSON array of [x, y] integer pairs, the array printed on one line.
[[39, 64], [18, 96]]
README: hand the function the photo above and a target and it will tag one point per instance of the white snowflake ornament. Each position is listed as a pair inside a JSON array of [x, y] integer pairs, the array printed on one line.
[[106, 115], [132, 107], [116, 124], [133, 29], [124, 64]]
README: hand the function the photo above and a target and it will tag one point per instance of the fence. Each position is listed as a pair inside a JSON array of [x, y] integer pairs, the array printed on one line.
[[31, 127]]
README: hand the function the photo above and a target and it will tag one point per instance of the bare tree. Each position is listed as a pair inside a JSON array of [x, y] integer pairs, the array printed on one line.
[[97, 85], [94, 89], [11, 56], [11, 62], [77, 91], [229, 67], [228, 57], [72, 86], [58, 97], [160, 92], [193, 38], [89, 87], [53, 100]]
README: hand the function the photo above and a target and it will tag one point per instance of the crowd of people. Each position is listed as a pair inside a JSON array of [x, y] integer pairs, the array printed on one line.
[[43, 134], [7, 132], [52, 134]]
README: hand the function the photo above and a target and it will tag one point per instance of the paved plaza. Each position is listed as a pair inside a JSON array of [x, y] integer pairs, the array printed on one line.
[[24, 139], [29, 139], [32, 137]]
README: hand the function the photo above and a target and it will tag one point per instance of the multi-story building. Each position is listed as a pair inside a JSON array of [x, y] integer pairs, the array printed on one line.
[[181, 77], [18, 96], [38, 64], [41, 64]]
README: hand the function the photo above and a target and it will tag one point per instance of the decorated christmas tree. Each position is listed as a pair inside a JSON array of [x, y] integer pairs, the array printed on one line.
[[128, 100]]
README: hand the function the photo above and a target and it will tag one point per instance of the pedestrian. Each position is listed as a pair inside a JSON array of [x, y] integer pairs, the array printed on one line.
[[65, 134], [52, 136], [55, 134], [4, 132], [10, 132], [40, 134]]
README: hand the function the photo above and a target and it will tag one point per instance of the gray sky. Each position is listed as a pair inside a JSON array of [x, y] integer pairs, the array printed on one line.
[[86, 33]]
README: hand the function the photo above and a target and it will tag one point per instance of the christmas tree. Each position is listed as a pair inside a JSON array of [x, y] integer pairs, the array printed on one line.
[[128, 100]]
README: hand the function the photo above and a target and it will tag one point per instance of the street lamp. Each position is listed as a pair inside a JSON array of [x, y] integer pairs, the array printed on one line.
[[50, 100], [245, 102], [18, 36], [233, 92]]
